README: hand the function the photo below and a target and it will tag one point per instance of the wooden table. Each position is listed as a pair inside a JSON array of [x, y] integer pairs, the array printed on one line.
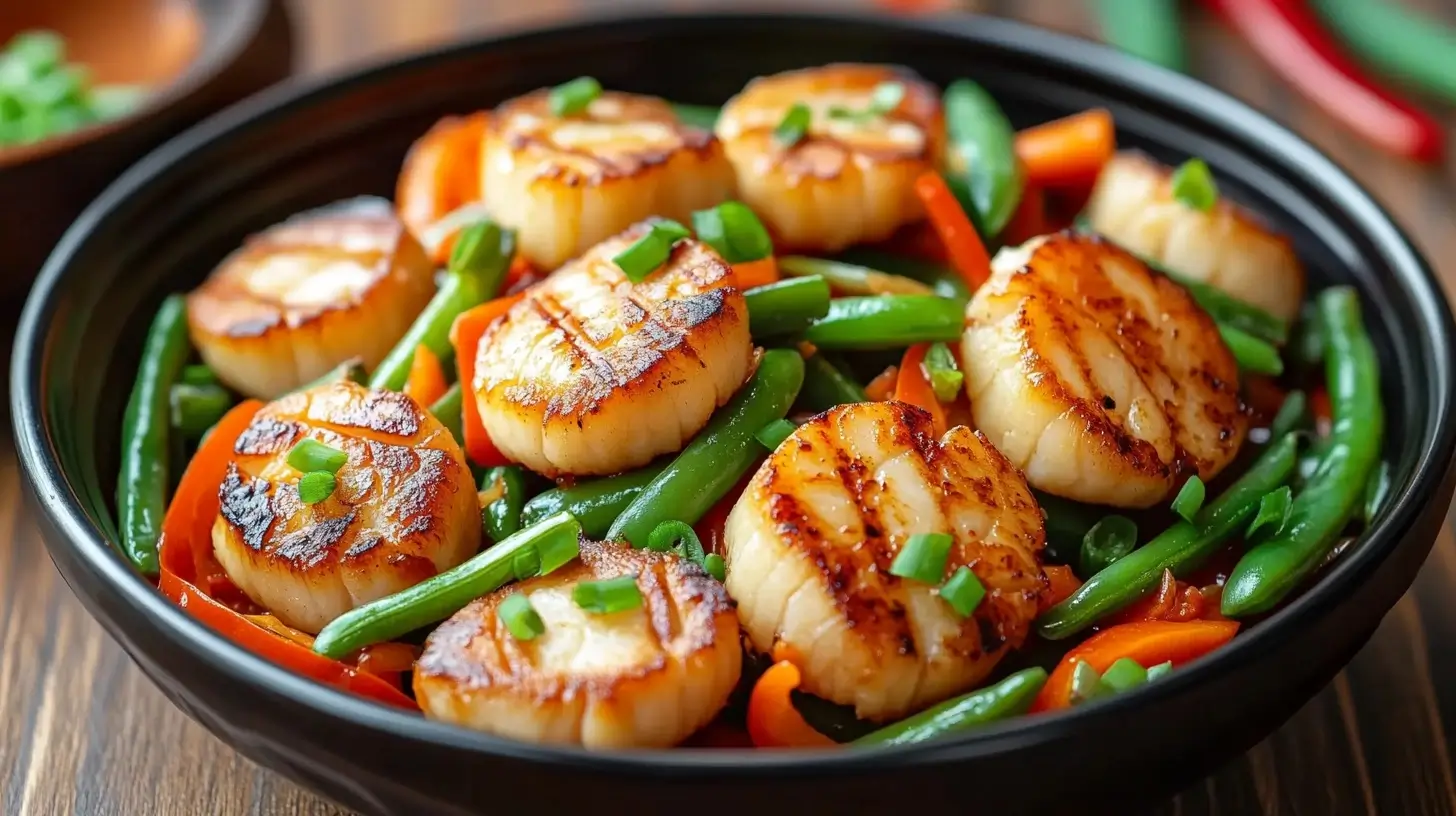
[[82, 731]]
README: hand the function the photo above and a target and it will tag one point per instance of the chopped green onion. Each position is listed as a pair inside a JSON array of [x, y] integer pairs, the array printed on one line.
[[1273, 511], [1086, 683], [1376, 491], [39, 51], [198, 375], [793, 126], [1109, 539], [923, 557], [678, 537], [945, 378], [1193, 185], [734, 231], [716, 566], [773, 434], [608, 596], [964, 592], [650, 251], [1124, 674], [1159, 670], [886, 97], [520, 618], [574, 96], [1291, 416], [311, 455], [1190, 498], [316, 486]]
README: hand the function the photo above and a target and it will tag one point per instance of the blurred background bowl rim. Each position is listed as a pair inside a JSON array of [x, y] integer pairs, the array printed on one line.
[[216, 50], [1201, 102]]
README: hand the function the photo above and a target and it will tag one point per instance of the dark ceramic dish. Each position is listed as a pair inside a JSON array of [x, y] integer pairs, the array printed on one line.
[[162, 226], [239, 47]]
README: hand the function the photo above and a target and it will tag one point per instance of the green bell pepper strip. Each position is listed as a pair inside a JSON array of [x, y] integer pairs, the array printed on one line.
[[698, 116], [536, 550], [448, 409], [1402, 44], [940, 278], [786, 306], [502, 517], [718, 456], [595, 503], [142, 487], [1251, 353], [826, 385], [1181, 548], [477, 268], [982, 168], [1334, 494], [1148, 29], [887, 321], [1009, 698]]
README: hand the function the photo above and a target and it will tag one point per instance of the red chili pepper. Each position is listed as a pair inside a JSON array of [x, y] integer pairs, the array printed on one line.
[[1290, 38]]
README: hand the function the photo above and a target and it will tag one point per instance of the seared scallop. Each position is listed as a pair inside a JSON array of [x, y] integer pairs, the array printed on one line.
[[404, 507], [591, 373], [810, 543], [1227, 246], [1098, 377], [565, 183], [851, 178], [641, 678], [305, 295]]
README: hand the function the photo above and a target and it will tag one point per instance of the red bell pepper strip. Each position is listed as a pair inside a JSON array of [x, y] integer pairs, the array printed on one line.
[[465, 336], [1150, 643], [186, 554], [962, 242], [1067, 152], [914, 387], [1062, 583], [1288, 35]]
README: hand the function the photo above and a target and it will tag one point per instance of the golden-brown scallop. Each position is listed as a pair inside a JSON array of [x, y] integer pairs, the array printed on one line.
[[1227, 246], [810, 543], [565, 183], [642, 678], [404, 509], [851, 178], [305, 295], [1098, 377], [594, 374]]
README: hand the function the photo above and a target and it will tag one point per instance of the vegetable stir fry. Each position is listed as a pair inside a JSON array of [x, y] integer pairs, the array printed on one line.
[[804, 417]]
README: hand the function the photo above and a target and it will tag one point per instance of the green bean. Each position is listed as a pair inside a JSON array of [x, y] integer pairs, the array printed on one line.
[[1181, 548], [719, 455], [196, 408], [448, 409], [1272, 569], [1251, 353], [853, 279], [1148, 29], [887, 321], [142, 487], [787, 306], [502, 517], [1009, 698], [1308, 344], [1412, 48], [826, 385], [942, 279], [983, 170], [595, 503], [536, 550], [1293, 415], [698, 116], [477, 267]]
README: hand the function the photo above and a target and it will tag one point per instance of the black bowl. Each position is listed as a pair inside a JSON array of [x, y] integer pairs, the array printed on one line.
[[243, 47], [163, 225]]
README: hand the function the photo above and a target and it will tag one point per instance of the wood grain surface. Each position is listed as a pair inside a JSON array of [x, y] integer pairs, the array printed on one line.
[[81, 731]]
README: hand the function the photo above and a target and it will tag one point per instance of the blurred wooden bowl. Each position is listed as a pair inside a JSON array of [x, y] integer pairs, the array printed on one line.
[[196, 56]]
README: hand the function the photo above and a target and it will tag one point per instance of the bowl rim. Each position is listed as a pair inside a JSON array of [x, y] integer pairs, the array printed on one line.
[[1171, 90], [206, 64]]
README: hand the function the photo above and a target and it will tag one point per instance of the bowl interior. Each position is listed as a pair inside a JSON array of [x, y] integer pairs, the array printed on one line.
[[164, 225], [128, 41]]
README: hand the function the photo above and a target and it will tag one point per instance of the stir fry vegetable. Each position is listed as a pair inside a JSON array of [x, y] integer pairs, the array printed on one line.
[[985, 173]]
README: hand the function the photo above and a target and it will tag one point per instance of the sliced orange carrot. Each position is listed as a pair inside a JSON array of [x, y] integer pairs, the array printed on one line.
[[756, 273], [441, 172], [913, 386], [1063, 582], [1068, 152], [967, 253], [426, 382], [882, 387], [773, 722], [465, 334], [1148, 642]]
